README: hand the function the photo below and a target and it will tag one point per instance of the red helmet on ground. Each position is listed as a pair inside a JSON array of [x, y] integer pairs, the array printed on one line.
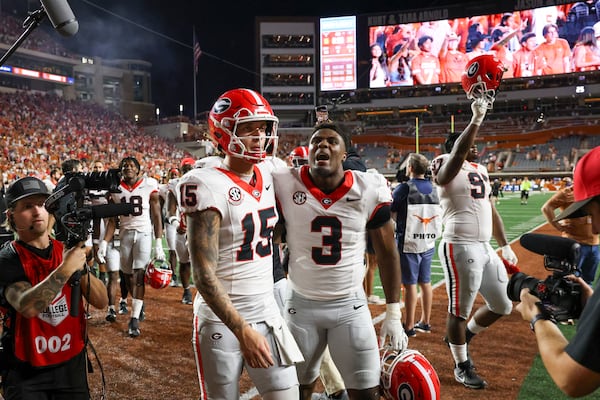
[[235, 107], [299, 156], [158, 274], [408, 375], [482, 77]]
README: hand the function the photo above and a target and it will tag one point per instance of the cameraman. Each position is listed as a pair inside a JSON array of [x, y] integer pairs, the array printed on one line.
[[574, 366], [44, 346]]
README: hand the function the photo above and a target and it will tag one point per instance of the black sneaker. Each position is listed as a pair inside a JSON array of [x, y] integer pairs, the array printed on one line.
[[123, 308], [410, 332], [111, 315], [187, 296], [465, 373], [422, 327], [134, 327]]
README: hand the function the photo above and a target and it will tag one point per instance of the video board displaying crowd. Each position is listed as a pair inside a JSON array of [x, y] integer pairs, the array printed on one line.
[[542, 41], [546, 40]]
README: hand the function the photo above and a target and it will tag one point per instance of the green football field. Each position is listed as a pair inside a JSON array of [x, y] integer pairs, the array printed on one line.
[[518, 219]]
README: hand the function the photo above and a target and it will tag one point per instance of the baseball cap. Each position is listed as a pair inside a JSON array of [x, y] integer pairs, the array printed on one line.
[[25, 187], [586, 184], [597, 29], [187, 161]]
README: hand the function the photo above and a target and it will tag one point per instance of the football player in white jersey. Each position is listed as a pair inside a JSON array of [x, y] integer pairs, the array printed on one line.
[[176, 232], [327, 214], [470, 264], [170, 225], [136, 232], [231, 213]]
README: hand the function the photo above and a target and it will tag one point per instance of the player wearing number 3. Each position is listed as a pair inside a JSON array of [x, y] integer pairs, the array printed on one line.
[[44, 345], [327, 214], [230, 213]]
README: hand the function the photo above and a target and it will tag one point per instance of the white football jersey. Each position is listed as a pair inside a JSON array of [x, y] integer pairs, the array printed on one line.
[[139, 196], [326, 233], [163, 190], [465, 202], [98, 197], [248, 216]]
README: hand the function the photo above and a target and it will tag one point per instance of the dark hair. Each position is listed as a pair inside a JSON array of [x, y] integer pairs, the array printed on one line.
[[423, 39], [133, 159], [505, 18], [70, 165], [526, 37], [449, 144], [346, 137], [547, 27]]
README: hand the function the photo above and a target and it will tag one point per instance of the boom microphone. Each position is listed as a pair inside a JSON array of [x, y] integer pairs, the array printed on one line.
[[552, 246], [61, 16]]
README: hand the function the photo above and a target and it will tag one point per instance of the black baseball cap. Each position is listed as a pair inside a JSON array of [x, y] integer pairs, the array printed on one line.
[[25, 187]]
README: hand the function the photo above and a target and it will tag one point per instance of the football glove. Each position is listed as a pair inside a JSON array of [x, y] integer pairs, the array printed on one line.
[[392, 327], [479, 107], [101, 254], [159, 253], [509, 254]]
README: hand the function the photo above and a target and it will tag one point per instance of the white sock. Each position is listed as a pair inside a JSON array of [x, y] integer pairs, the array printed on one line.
[[459, 352], [136, 305], [474, 328]]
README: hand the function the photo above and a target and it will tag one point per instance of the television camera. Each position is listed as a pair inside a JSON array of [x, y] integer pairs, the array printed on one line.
[[560, 297]]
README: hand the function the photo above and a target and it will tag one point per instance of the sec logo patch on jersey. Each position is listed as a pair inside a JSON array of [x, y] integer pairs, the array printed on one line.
[[299, 198], [235, 195]]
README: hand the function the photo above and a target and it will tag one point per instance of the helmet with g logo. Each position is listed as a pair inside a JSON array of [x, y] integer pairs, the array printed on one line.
[[238, 106], [482, 77], [158, 274], [408, 375]]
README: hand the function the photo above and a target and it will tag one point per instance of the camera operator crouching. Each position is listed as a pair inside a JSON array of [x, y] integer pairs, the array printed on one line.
[[574, 366]]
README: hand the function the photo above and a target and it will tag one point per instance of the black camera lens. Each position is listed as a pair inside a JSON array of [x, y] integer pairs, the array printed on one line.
[[518, 282]]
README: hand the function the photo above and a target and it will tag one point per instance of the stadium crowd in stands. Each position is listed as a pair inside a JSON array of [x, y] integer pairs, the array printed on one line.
[[38, 132]]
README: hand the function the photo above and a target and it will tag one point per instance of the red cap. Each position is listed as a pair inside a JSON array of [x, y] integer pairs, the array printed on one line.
[[188, 161], [586, 184]]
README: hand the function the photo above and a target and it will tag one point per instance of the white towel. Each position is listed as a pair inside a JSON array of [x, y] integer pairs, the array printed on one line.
[[288, 350]]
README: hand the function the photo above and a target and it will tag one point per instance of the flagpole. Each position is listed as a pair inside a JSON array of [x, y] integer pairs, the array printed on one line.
[[195, 73]]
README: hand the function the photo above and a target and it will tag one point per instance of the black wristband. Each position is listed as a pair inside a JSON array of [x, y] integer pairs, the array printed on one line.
[[535, 319]]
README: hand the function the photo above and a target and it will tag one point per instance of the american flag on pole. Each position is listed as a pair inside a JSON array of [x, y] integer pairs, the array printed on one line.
[[197, 53]]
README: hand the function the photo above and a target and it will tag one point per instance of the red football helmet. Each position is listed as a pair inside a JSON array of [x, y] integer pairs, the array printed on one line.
[[158, 274], [299, 156], [482, 77], [235, 107], [408, 375]]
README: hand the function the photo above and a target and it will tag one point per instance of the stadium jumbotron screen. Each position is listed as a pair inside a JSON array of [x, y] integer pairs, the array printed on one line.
[[338, 53], [532, 42]]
